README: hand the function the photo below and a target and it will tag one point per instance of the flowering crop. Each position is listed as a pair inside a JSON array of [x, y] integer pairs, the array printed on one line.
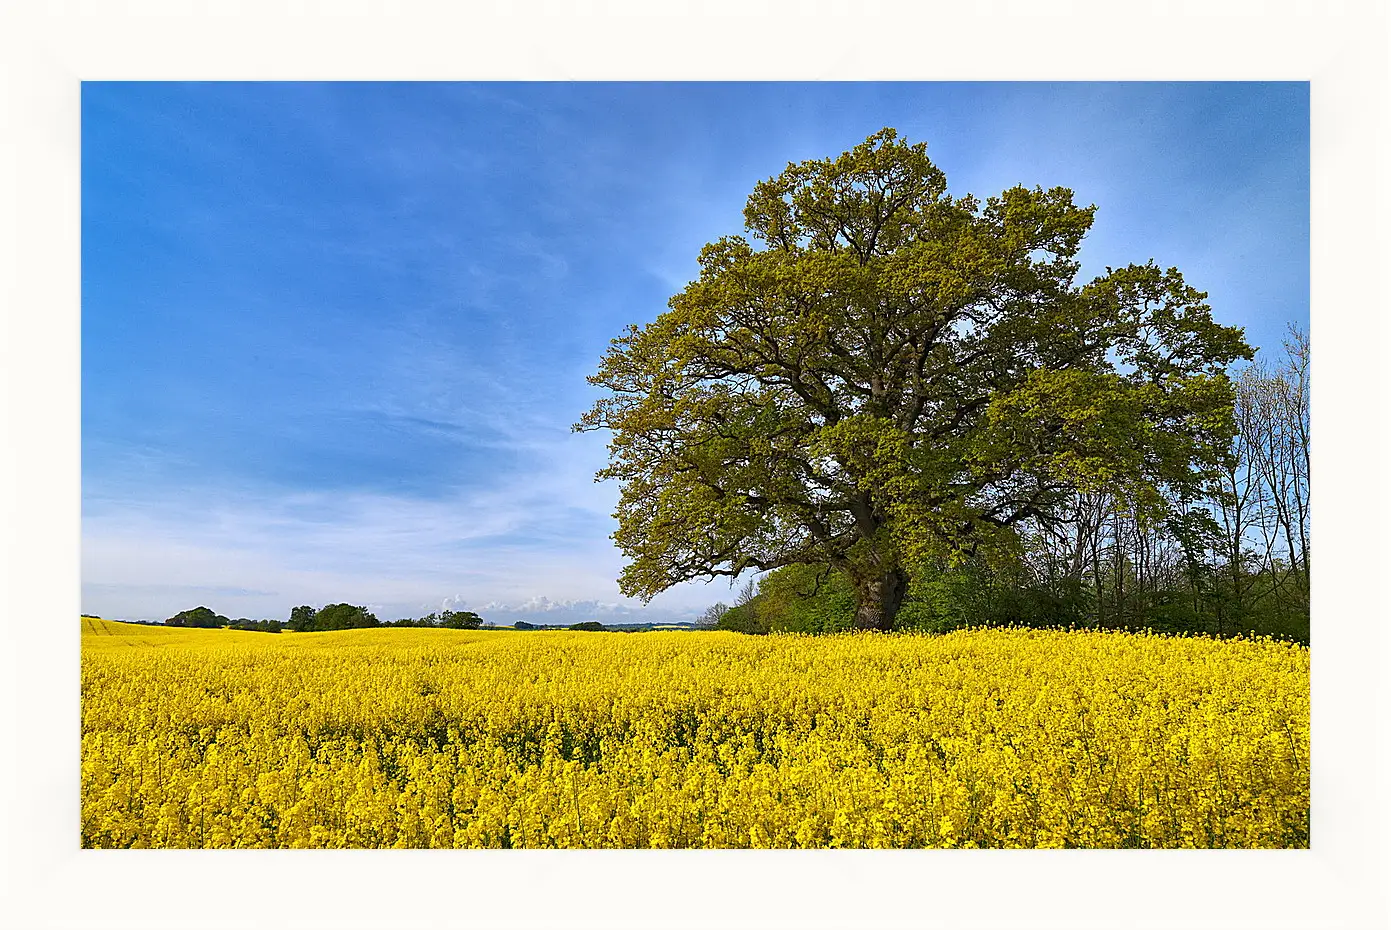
[[441, 738]]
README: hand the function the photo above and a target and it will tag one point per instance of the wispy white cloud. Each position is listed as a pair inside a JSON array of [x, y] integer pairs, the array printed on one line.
[[513, 545], [540, 604]]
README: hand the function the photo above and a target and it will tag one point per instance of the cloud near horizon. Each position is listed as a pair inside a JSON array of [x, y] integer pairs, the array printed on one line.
[[497, 545]]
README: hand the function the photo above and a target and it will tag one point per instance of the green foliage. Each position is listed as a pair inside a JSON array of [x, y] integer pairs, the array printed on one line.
[[257, 626], [445, 619], [941, 601], [741, 620], [884, 375], [460, 620], [808, 599], [331, 617], [976, 593], [1221, 609], [805, 599], [591, 626], [301, 619], [198, 617], [205, 618], [523, 625]]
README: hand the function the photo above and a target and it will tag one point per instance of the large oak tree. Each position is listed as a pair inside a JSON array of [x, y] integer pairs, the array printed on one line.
[[883, 373]]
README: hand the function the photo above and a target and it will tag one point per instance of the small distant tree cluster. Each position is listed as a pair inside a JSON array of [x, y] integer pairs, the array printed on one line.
[[205, 618], [257, 626], [445, 620], [305, 619], [200, 617]]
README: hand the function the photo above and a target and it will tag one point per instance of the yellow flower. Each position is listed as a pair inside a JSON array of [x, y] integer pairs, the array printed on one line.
[[435, 738]]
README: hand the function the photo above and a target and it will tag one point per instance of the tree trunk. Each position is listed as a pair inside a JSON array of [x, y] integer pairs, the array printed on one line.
[[878, 599]]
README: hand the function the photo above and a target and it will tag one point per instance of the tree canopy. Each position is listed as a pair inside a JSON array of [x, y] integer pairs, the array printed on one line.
[[203, 617], [306, 619], [882, 374]]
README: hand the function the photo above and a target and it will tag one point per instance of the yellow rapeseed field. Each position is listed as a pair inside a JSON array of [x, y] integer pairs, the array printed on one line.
[[439, 738]]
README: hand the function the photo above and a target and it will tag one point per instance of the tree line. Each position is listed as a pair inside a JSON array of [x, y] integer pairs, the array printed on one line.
[[307, 619]]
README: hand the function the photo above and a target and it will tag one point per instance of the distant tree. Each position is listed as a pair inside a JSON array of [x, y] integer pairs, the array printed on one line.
[[301, 619], [591, 626], [257, 626], [201, 617], [331, 617], [712, 615], [523, 625], [460, 620], [344, 617], [884, 374]]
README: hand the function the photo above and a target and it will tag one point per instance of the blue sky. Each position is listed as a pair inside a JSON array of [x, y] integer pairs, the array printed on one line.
[[334, 335]]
